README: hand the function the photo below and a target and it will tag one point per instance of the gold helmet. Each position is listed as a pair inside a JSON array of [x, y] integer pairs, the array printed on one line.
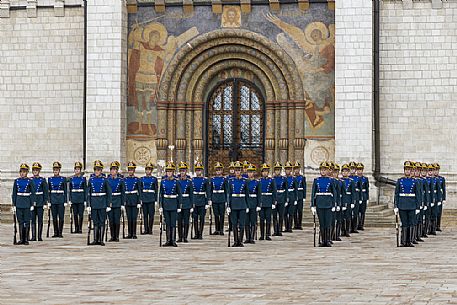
[[288, 165], [36, 165], [336, 167], [114, 164], [78, 165], [430, 167], [297, 164], [183, 165], [345, 167], [131, 165], [232, 164], [277, 165], [24, 166], [218, 165], [360, 165], [436, 165], [246, 164], [251, 168], [56, 164], [170, 166], [352, 164], [237, 165], [324, 164], [149, 165], [424, 165], [198, 164], [98, 164], [408, 164], [265, 166]]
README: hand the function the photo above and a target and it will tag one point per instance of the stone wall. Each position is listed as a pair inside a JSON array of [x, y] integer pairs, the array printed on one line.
[[41, 85]]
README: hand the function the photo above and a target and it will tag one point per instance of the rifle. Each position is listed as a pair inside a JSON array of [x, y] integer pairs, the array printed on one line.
[[71, 219], [229, 231], [397, 229], [141, 219], [123, 224], [15, 229], [161, 229], [49, 222], [106, 228], [256, 226], [89, 227], [315, 229], [192, 226], [210, 220]]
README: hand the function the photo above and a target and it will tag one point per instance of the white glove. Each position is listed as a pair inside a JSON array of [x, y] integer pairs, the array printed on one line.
[[160, 211], [138, 206], [432, 205], [228, 211], [418, 211], [345, 208], [247, 210], [123, 208], [352, 205], [368, 201], [425, 208], [360, 201], [210, 203], [295, 202], [258, 209], [108, 209], [156, 205], [191, 210], [179, 211], [69, 203], [273, 206], [88, 209], [396, 211], [313, 210], [286, 204], [206, 206], [85, 204], [32, 208], [333, 209], [440, 203], [444, 201], [13, 209], [45, 207], [65, 204], [338, 209]]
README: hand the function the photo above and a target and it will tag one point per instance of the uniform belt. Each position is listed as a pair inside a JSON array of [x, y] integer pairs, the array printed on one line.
[[300, 189], [98, 194], [57, 191], [238, 195], [407, 195], [131, 192], [170, 196], [39, 193], [24, 194], [281, 191], [267, 194], [324, 194], [348, 193], [218, 191], [149, 191], [77, 190], [185, 195], [291, 190], [199, 193], [252, 195], [116, 194]]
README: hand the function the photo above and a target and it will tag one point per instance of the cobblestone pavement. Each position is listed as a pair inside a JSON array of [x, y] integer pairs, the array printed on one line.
[[364, 269]]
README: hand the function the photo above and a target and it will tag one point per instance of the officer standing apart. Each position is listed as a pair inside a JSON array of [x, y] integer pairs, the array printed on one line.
[[253, 204], [218, 197], [117, 186], [170, 203], [98, 202], [365, 189], [78, 195], [267, 201], [323, 202], [358, 190], [132, 199], [23, 198], [149, 188], [201, 203], [41, 199], [406, 202], [237, 205], [57, 199]]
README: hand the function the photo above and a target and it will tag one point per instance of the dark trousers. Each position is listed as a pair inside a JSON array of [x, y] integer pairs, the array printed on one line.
[[238, 220], [114, 218], [325, 224], [289, 212], [78, 215], [219, 215], [198, 218], [23, 218], [58, 212], [37, 217], [355, 216], [298, 215], [148, 216], [183, 224], [265, 222], [408, 220], [278, 218], [132, 216], [361, 216], [98, 217]]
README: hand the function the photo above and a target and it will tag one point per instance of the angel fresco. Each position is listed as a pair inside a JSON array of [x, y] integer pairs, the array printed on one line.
[[150, 50], [313, 50]]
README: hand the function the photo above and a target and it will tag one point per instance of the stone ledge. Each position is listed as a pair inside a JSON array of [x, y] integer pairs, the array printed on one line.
[[33, 5]]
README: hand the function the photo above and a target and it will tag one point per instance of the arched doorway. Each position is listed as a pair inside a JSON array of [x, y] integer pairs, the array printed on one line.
[[235, 116]]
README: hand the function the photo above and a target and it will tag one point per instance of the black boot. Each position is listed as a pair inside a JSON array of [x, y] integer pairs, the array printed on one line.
[[338, 231], [180, 232], [167, 234], [275, 227], [202, 225], [221, 224], [55, 225], [216, 226], [60, 228], [262, 231], [80, 226], [95, 241], [112, 232], [40, 232], [240, 237], [235, 237], [117, 232], [186, 233], [151, 225], [248, 235], [253, 234], [33, 232], [438, 223], [195, 222], [173, 237], [134, 225], [25, 236], [102, 235], [268, 231]]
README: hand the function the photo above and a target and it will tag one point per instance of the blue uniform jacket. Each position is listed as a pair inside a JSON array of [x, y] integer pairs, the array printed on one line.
[[98, 193], [57, 190], [281, 189], [365, 188], [348, 193], [301, 188], [218, 189], [132, 190], [187, 193], [407, 194], [170, 194], [23, 195], [292, 189], [358, 187], [268, 192], [78, 189], [117, 191], [149, 187], [41, 191], [323, 193], [238, 193], [253, 200], [201, 191]]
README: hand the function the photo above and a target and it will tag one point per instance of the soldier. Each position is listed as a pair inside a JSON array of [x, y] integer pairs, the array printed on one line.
[[358, 190], [149, 187], [416, 175], [23, 198], [41, 199], [365, 189], [170, 203], [187, 191], [426, 201], [78, 196], [348, 199], [338, 213], [301, 191], [267, 201], [281, 198], [98, 202], [323, 202], [57, 199], [433, 195], [442, 192], [201, 195], [406, 202], [245, 169], [218, 197], [117, 186], [231, 173], [253, 204], [292, 197], [436, 199], [237, 205], [132, 199]]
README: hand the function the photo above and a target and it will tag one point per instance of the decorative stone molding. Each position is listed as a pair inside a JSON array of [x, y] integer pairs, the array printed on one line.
[[132, 6], [299, 143], [181, 144], [216, 6], [4, 9], [270, 144], [31, 8], [437, 4], [197, 144], [159, 6], [283, 144], [408, 4], [331, 4], [274, 5], [162, 143], [187, 7], [59, 10], [303, 5], [245, 6]]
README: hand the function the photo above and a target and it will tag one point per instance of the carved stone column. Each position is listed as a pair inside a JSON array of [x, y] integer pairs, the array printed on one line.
[[180, 128], [198, 134], [291, 130], [299, 142], [162, 141], [283, 133], [270, 133]]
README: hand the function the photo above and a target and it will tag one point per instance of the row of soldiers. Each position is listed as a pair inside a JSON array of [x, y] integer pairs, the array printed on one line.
[[419, 199], [339, 198], [239, 194]]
